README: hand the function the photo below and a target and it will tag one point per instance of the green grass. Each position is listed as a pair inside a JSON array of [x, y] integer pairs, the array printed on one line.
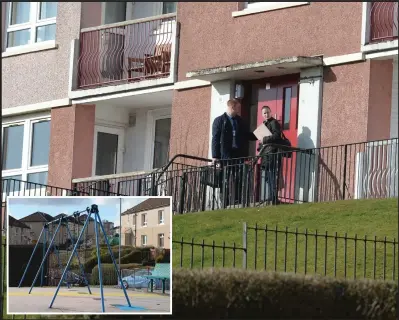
[[358, 217]]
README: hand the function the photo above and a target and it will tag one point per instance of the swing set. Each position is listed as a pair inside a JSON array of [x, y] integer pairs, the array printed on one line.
[[67, 276]]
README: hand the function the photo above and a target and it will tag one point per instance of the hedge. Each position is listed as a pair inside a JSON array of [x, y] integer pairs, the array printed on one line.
[[108, 273], [105, 258], [225, 293]]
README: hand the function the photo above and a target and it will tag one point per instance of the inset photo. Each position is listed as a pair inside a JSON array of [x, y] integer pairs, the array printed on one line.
[[89, 255]]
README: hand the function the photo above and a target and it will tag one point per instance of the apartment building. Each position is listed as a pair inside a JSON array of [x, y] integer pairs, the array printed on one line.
[[147, 224], [89, 84], [108, 227], [19, 232], [90, 87]]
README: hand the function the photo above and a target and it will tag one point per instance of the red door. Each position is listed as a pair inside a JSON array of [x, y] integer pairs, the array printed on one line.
[[282, 98]]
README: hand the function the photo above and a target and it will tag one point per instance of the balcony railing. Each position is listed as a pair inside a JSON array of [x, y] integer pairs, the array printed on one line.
[[354, 171], [131, 183], [127, 52], [383, 21]]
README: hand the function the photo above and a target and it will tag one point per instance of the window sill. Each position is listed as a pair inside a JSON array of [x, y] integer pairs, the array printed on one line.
[[48, 45], [266, 7]]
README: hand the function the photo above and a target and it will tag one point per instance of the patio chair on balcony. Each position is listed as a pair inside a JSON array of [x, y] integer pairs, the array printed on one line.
[[152, 65]]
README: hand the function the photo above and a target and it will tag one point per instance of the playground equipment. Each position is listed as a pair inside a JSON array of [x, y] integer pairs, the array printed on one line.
[[46, 233], [97, 223]]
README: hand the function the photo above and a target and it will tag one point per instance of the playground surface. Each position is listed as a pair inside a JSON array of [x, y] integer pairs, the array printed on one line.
[[78, 300]]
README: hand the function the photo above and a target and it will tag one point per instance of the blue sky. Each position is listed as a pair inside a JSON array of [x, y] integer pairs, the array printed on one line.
[[109, 207]]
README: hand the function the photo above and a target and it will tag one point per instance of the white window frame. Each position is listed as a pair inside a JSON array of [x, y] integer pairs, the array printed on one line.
[[161, 216], [144, 221], [25, 169], [161, 236], [144, 243], [33, 23], [251, 8]]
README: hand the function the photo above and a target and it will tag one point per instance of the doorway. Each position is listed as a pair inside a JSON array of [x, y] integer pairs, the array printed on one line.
[[108, 150], [281, 95], [158, 138]]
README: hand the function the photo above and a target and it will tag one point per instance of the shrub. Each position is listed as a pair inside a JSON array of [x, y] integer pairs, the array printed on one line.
[[163, 257], [105, 258], [245, 294], [109, 275], [132, 257]]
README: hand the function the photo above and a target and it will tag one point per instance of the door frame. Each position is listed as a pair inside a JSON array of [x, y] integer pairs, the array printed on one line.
[[120, 132], [152, 117]]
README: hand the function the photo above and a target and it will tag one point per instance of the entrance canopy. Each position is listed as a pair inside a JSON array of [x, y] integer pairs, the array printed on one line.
[[257, 70]]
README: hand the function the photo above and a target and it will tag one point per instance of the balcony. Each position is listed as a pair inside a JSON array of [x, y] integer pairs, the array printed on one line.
[[383, 21], [126, 53]]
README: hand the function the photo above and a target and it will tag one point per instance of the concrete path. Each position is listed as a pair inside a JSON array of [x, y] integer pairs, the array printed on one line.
[[78, 300]]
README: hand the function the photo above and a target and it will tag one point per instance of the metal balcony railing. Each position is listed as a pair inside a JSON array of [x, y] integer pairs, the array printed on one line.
[[383, 20], [352, 171], [126, 52]]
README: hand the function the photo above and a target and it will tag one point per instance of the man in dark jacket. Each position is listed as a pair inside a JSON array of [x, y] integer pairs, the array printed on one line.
[[271, 155], [229, 140], [230, 134]]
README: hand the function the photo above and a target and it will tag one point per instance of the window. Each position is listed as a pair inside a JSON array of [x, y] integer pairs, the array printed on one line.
[[25, 150], [134, 219], [161, 217], [143, 240], [168, 7], [30, 22], [287, 108], [144, 220], [161, 240]]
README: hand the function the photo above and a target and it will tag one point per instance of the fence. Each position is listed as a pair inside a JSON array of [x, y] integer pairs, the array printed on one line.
[[383, 18], [128, 51], [353, 171], [305, 252]]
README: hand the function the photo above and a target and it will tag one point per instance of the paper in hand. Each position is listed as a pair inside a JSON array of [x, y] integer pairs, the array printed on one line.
[[262, 131]]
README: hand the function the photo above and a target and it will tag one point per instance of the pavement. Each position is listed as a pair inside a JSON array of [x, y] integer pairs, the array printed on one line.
[[78, 300]]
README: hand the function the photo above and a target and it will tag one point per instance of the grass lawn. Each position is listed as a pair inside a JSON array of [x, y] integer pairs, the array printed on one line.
[[357, 217]]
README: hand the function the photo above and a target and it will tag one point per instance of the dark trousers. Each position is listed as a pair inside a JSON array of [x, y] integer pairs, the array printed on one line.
[[271, 172], [232, 173]]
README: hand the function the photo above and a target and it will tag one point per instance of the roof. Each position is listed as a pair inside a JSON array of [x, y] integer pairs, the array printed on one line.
[[70, 219], [37, 217], [12, 222], [83, 217], [149, 204]]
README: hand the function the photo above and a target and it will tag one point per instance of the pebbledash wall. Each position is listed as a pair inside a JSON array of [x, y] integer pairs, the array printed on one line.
[[38, 79], [342, 106]]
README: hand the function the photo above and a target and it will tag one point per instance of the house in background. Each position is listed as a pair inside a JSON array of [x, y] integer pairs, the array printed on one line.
[[19, 232], [90, 227], [74, 227], [35, 222], [108, 227], [148, 224]]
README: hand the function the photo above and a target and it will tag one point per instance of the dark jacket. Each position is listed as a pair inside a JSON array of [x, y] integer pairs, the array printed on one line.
[[274, 127], [222, 137]]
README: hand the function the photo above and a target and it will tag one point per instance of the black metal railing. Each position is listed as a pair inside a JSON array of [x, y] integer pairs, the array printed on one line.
[[351, 171], [305, 252]]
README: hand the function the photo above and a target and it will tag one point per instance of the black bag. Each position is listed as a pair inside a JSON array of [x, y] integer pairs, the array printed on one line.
[[212, 176], [286, 146]]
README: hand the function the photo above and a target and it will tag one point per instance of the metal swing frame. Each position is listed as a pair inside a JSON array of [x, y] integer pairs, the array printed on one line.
[[93, 211], [46, 235]]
